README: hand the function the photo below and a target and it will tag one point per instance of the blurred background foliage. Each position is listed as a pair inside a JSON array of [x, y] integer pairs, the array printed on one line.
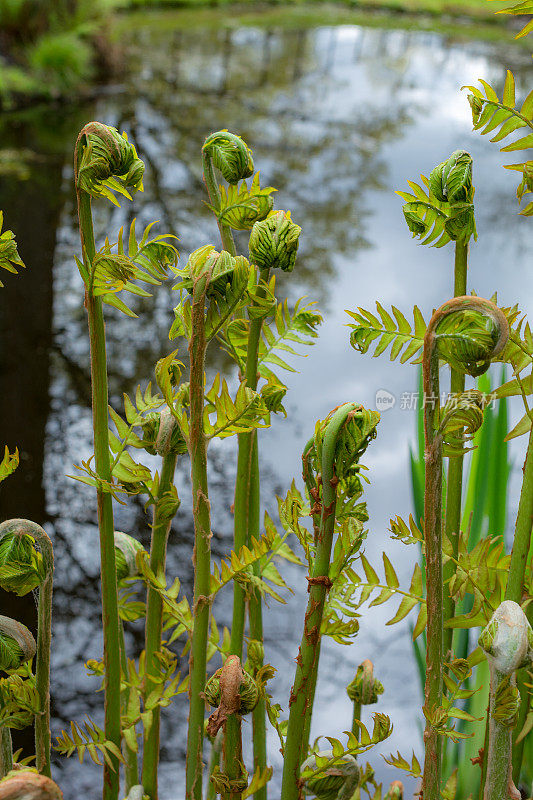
[[60, 48]]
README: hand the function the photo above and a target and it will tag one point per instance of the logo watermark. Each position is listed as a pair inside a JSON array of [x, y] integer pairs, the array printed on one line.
[[411, 401], [385, 400]]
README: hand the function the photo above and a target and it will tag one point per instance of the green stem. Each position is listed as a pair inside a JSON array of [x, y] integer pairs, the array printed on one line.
[[131, 767], [313, 677], [243, 522], [233, 756], [433, 520], [110, 618], [356, 716], [255, 611], [318, 588], [6, 753], [515, 584], [454, 484], [25, 527], [42, 672], [522, 679], [498, 774], [214, 196], [522, 536], [154, 625], [433, 541], [202, 545], [313, 491], [214, 761]]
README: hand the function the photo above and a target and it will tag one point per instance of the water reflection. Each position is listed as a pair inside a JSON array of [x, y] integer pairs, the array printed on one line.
[[337, 117]]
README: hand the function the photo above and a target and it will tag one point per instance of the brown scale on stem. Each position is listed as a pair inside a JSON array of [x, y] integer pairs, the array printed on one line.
[[321, 580]]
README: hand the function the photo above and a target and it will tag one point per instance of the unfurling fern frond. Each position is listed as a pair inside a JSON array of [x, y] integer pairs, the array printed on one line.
[[468, 333], [246, 412], [355, 745], [241, 207], [107, 162], [230, 154], [19, 700], [442, 210], [146, 260], [385, 331], [236, 566], [460, 418], [490, 114]]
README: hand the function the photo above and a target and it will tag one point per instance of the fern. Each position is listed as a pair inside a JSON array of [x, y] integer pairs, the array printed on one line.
[[286, 330], [237, 567], [240, 206], [386, 331], [19, 699], [230, 298], [491, 113], [460, 418], [482, 572], [245, 413], [90, 739], [522, 8], [146, 260], [9, 257], [9, 463], [355, 745], [433, 219], [400, 762]]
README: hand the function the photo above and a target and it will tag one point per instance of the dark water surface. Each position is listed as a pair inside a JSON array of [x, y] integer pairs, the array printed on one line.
[[338, 117]]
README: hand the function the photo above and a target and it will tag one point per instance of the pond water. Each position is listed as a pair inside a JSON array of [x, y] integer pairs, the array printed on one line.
[[338, 117]]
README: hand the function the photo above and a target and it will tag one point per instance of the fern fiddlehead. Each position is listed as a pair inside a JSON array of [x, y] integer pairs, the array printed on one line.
[[265, 238], [467, 332], [104, 162], [244, 209], [340, 440], [233, 158], [18, 538], [363, 690], [337, 783], [508, 643], [17, 646]]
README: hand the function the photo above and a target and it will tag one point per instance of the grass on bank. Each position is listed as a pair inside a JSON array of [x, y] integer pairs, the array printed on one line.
[[473, 9]]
